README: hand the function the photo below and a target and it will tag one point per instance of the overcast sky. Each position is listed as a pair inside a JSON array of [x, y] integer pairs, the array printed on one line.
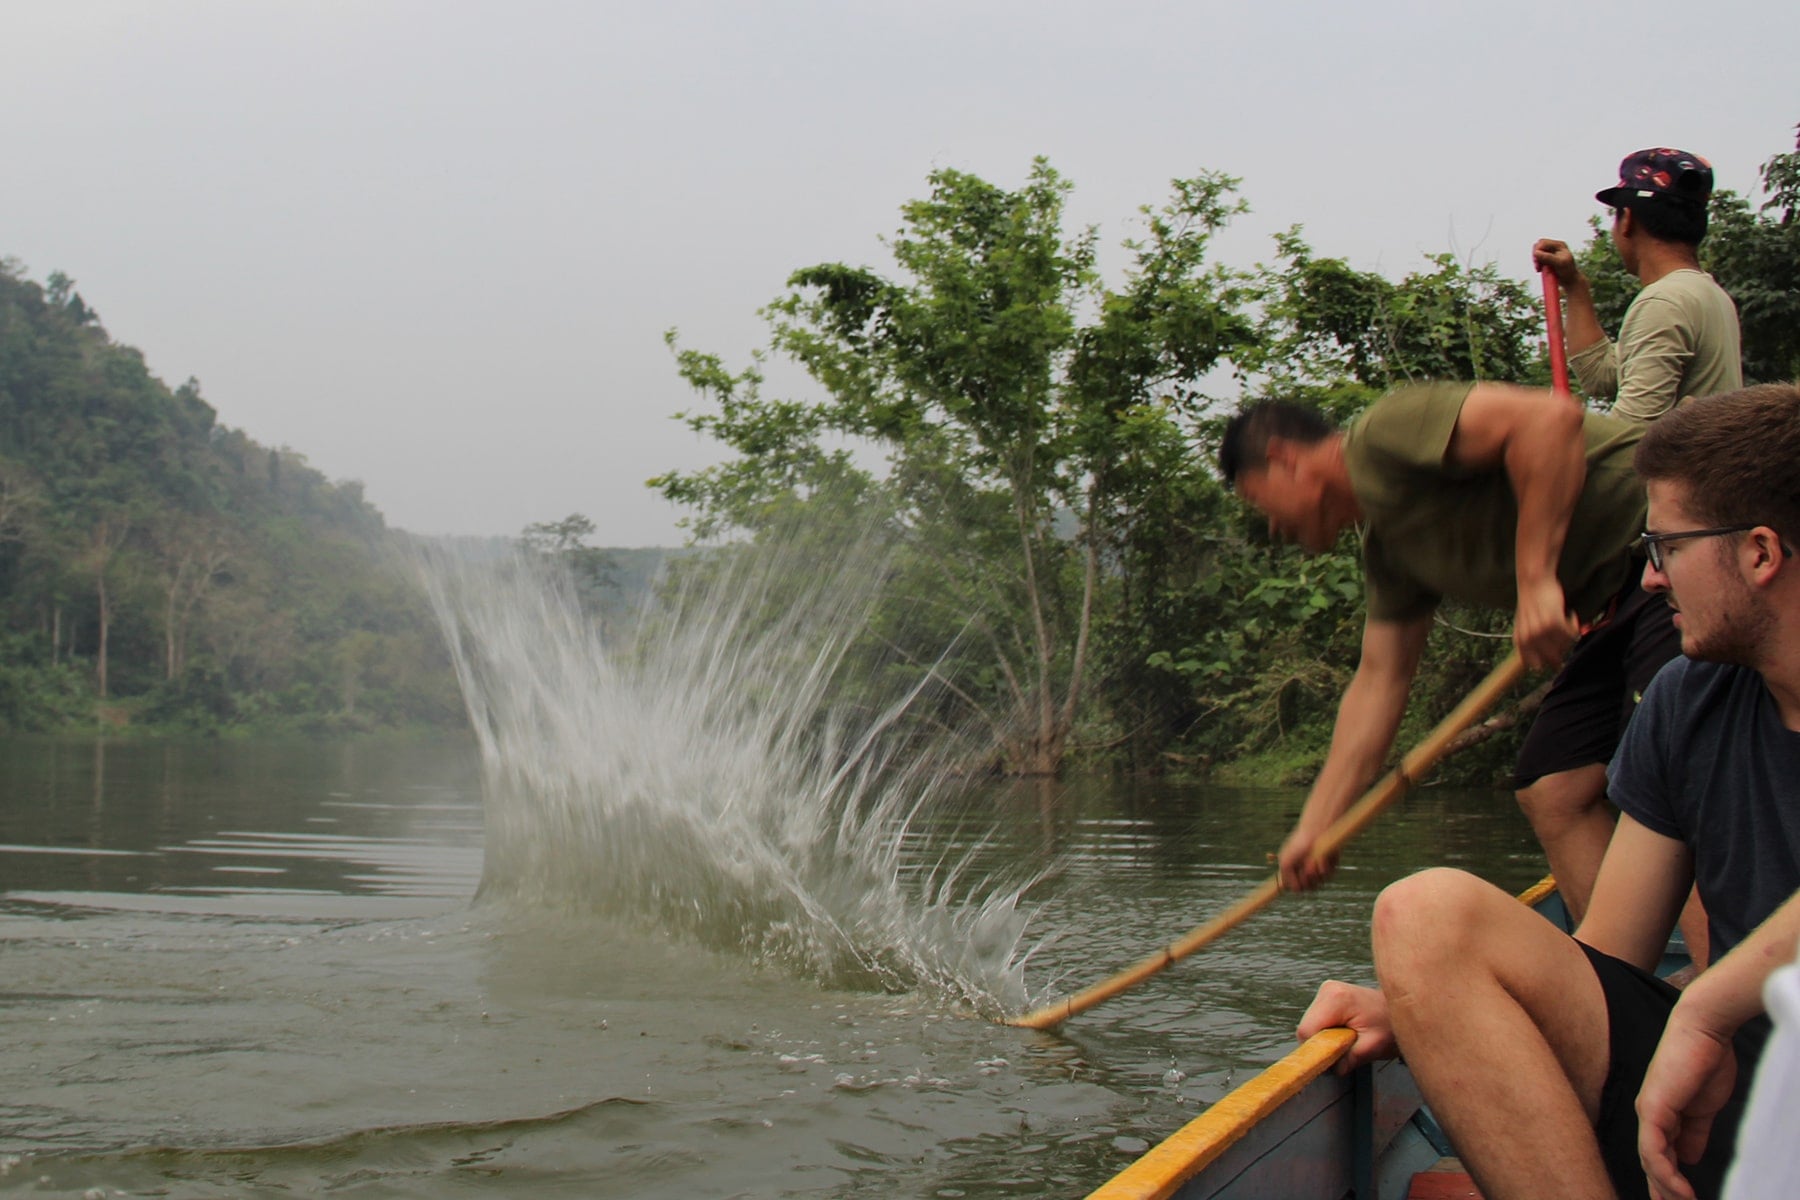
[[433, 246]]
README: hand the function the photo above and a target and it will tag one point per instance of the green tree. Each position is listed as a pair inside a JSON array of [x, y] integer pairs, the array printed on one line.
[[594, 571], [558, 537], [1326, 325], [1755, 255], [1019, 441]]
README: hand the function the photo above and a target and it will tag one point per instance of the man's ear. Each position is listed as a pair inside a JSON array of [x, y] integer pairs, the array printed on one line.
[[1627, 222], [1282, 452], [1763, 554]]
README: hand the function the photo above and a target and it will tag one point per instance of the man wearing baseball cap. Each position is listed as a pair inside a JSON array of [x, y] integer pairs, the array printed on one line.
[[1679, 338]]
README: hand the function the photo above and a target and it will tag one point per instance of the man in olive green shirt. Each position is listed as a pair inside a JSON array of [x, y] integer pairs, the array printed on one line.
[[1489, 495], [1437, 529], [1679, 338]]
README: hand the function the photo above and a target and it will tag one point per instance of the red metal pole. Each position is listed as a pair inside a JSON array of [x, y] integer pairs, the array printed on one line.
[[1559, 362]]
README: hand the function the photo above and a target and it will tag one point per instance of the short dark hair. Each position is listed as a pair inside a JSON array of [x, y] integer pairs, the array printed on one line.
[[1669, 220], [1245, 446], [1738, 454]]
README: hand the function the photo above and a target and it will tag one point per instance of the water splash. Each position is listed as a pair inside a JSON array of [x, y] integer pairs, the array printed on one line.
[[710, 775]]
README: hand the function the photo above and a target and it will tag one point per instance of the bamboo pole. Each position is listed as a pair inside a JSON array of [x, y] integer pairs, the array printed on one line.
[[1358, 817]]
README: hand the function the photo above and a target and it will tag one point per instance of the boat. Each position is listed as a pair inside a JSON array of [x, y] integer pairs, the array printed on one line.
[[1297, 1131]]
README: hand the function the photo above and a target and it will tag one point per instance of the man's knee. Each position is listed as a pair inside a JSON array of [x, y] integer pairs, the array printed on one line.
[[1564, 796], [1427, 916]]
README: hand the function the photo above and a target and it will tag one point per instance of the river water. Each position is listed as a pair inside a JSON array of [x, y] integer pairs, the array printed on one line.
[[255, 969]]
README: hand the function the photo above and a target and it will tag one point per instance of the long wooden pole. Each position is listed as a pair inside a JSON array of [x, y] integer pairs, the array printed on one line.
[[1358, 817]]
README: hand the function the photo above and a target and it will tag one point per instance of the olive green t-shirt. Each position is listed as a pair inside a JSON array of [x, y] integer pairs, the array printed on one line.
[[1432, 531]]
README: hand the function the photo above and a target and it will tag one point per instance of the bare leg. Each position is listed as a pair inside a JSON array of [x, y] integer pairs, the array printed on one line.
[[1504, 1025], [1573, 822]]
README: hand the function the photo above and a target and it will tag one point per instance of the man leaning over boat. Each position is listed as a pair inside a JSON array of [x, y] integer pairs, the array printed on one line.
[[1490, 495], [1560, 1065]]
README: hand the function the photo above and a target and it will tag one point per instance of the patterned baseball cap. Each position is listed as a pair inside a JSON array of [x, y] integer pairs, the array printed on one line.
[[1660, 173]]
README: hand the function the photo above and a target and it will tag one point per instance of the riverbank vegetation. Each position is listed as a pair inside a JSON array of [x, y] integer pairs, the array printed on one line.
[[1037, 440]]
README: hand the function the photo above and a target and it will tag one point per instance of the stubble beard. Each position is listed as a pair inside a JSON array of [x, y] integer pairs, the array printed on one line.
[[1740, 627]]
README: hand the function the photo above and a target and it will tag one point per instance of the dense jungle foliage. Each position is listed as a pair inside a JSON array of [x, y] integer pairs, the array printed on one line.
[[159, 569], [1045, 439]]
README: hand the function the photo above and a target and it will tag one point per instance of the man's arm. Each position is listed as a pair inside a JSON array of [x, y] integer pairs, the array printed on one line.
[[1655, 348], [1694, 1069], [1581, 323], [1368, 717], [1536, 437], [1643, 882], [1596, 369]]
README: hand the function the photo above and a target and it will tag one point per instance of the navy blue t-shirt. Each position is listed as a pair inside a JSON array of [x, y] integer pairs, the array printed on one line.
[[1707, 760]]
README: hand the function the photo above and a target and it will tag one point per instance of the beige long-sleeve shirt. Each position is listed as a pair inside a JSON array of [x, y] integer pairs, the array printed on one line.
[[1679, 339]]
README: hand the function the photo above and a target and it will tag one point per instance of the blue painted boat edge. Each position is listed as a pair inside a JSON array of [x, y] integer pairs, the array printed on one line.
[[1306, 1149]]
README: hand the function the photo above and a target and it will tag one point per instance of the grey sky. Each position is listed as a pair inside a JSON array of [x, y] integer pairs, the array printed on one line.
[[434, 245]]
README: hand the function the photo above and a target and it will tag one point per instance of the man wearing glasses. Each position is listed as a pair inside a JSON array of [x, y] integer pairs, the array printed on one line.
[[1680, 336], [1485, 494], [1560, 1066]]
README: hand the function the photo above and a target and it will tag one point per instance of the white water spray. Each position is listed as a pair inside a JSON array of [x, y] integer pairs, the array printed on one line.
[[706, 777]]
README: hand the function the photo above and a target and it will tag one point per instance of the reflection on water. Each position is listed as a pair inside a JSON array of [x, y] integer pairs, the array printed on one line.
[[198, 819], [243, 969]]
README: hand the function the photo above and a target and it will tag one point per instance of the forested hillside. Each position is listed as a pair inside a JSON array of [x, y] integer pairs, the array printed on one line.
[[158, 568]]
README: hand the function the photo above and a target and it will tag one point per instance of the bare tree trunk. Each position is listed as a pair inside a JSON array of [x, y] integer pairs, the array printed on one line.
[[169, 629], [1477, 734], [105, 626], [1042, 750], [1090, 577], [103, 543], [197, 560]]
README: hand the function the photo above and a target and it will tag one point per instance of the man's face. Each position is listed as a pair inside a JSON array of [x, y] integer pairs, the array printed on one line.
[[1622, 243], [1719, 616], [1291, 494]]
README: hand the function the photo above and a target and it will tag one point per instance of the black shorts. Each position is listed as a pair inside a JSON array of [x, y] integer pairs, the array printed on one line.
[[1637, 1007], [1594, 694]]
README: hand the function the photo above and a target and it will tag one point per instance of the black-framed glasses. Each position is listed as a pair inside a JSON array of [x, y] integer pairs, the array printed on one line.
[[1653, 542]]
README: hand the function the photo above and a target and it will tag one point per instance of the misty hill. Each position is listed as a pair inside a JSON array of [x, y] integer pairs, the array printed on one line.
[[157, 566]]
